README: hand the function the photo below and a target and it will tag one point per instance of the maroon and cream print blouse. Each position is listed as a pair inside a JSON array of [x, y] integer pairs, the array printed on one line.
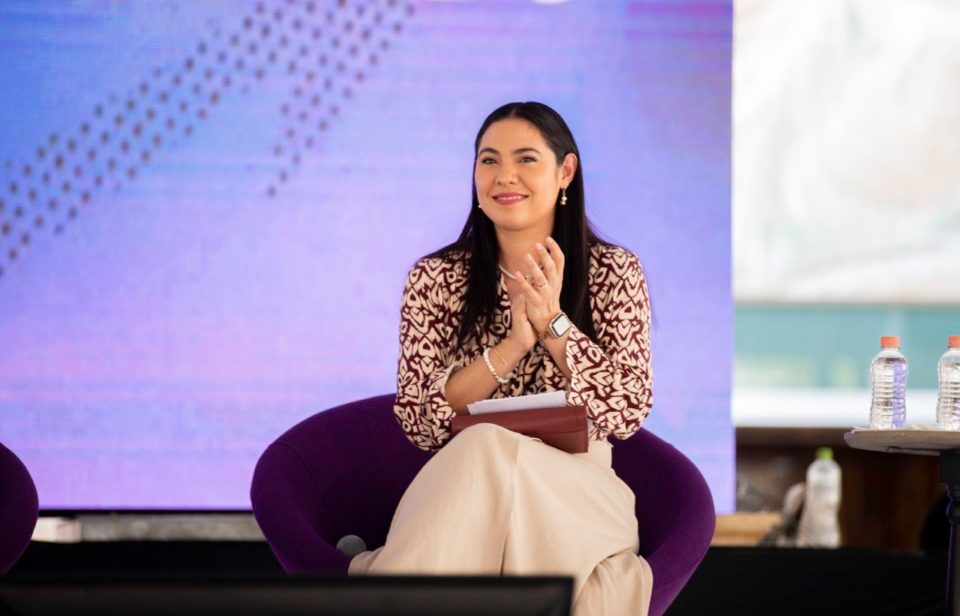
[[611, 377]]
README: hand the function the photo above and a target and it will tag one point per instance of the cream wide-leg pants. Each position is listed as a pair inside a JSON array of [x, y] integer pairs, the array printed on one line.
[[496, 502]]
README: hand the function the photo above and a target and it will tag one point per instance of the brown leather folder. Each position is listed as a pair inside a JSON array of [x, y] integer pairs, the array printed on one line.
[[563, 427]]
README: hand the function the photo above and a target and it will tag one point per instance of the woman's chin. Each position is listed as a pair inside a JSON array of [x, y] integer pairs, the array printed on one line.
[[508, 223], [518, 220]]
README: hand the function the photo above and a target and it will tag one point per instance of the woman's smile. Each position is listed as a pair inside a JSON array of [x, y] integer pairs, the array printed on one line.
[[509, 198]]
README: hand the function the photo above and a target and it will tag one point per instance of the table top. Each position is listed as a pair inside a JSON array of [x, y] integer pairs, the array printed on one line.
[[905, 440]]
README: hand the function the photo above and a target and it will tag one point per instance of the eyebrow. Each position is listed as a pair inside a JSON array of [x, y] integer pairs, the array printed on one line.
[[517, 151]]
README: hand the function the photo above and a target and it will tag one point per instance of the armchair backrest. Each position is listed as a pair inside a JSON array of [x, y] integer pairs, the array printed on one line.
[[674, 507], [353, 463], [18, 508]]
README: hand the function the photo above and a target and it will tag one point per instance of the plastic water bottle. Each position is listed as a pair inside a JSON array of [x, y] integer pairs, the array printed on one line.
[[888, 374], [819, 526], [948, 393]]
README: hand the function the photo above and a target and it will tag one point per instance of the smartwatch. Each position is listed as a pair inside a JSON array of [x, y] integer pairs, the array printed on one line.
[[559, 325]]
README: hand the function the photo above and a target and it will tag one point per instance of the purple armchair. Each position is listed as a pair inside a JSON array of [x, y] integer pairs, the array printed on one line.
[[18, 508], [344, 470]]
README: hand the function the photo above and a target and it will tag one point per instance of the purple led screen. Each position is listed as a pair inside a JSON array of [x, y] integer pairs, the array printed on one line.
[[207, 211]]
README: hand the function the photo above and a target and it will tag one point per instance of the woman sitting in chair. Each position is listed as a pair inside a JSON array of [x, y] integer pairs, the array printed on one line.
[[527, 300]]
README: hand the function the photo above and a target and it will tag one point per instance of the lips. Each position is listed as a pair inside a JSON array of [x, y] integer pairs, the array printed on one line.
[[509, 198]]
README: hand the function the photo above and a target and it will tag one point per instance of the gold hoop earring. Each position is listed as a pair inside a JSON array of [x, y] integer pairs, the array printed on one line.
[[563, 196]]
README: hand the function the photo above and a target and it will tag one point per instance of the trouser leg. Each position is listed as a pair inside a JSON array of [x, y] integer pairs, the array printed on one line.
[[453, 517]]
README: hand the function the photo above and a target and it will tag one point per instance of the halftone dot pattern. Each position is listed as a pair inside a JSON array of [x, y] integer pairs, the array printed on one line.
[[328, 48]]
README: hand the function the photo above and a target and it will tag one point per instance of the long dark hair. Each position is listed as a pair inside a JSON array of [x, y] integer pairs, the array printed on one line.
[[571, 230]]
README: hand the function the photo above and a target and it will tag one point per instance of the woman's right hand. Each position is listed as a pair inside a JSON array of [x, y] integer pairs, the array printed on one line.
[[521, 330], [474, 382]]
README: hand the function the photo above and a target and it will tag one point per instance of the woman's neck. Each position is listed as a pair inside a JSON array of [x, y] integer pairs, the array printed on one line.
[[515, 245]]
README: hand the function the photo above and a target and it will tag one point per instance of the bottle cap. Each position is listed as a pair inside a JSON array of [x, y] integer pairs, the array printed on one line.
[[824, 453], [953, 342], [889, 342]]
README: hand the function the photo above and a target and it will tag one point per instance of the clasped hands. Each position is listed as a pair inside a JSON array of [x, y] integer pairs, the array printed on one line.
[[539, 299]]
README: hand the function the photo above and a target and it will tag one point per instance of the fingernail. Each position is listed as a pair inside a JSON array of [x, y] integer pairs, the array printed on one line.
[[540, 246]]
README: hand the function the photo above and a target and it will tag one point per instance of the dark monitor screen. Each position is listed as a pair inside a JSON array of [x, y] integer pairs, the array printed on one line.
[[282, 595]]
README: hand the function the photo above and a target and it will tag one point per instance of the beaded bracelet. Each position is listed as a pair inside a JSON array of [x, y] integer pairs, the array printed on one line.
[[493, 371]]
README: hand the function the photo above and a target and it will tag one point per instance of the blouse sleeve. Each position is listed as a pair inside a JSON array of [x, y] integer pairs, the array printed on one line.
[[427, 338], [612, 377]]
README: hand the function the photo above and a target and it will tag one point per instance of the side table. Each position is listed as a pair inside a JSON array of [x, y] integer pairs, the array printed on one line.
[[945, 444]]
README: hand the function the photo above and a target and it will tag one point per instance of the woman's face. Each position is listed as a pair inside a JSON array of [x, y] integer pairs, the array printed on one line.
[[517, 176]]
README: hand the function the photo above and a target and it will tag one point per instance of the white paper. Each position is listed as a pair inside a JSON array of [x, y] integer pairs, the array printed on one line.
[[519, 403]]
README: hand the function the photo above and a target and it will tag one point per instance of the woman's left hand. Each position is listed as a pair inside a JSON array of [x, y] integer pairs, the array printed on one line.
[[542, 287]]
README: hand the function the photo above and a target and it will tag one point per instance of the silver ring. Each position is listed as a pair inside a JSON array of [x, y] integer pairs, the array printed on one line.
[[543, 286]]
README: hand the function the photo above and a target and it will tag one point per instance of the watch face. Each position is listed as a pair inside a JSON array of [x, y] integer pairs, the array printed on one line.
[[559, 325]]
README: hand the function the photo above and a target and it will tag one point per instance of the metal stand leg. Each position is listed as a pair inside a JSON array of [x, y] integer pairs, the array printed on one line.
[[950, 475]]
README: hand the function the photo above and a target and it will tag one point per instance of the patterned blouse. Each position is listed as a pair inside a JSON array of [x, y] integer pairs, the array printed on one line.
[[612, 379]]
